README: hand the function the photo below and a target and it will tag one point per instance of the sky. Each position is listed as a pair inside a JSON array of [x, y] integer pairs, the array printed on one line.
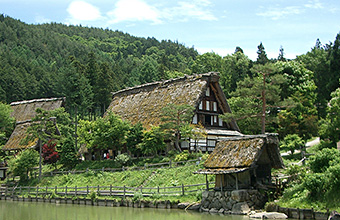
[[208, 25]]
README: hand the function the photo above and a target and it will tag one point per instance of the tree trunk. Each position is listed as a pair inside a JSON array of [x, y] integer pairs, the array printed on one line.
[[40, 158], [263, 117]]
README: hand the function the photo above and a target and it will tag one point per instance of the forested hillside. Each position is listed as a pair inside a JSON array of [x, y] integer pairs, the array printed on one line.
[[86, 64], [83, 64]]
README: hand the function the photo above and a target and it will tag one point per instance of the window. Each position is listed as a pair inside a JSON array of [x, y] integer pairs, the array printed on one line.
[[194, 119], [207, 106], [207, 92], [215, 106], [220, 122], [200, 106], [207, 120], [215, 119]]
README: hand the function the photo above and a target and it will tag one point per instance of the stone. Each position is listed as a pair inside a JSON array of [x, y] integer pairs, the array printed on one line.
[[195, 207], [213, 210], [221, 211], [256, 215], [183, 205], [218, 195], [334, 216], [240, 195], [204, 210], [240, 208], [274, 215], [205, 195], [215, 204]]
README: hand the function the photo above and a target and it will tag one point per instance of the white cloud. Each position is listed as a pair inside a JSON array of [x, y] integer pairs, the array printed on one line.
[[277, 13], [315, 4], [197, 9], [134, 10], [83, 11]]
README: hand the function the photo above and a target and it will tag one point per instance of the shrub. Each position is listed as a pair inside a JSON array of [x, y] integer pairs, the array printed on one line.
[[137, 196], [321, 161], [292, 142], [122, 159]]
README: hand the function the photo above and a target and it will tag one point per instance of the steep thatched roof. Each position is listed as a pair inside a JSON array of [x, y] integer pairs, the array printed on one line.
[[237, 154], [23, 112], [144, 103]]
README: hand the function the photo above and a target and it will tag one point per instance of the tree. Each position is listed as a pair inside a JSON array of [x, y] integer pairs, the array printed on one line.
[[293, 142], [301, 116], [176, 119], [134, 137], [256, 99], [42, 128], [49, 152], [317, 61], [281, 55], [24, 163], [238, 49], [235, 68], [330, 126], [207, 62], [6, 123], [104, 133], [261, 55], [153, 141]]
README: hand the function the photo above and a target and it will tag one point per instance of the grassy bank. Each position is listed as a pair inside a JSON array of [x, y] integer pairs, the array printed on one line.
[[162, 177]]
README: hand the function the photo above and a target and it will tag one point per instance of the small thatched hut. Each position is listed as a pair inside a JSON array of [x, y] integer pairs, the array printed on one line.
[[23, 112], [243, 162], [144, 104]]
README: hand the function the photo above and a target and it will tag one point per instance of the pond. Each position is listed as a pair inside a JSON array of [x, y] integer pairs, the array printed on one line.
[[46, 211]]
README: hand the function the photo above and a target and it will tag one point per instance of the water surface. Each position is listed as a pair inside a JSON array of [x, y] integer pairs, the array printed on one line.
[[46, 211]]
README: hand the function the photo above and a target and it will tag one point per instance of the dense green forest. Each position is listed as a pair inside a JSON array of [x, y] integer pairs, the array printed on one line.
[[299, 99], [86, 64]]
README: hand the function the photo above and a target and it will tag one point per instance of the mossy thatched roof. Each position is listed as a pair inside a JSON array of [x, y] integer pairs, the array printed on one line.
[[23, 112], [144, 103], [237, 153]]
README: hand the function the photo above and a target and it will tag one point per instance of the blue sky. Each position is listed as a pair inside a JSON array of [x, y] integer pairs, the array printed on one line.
[[208, 25]]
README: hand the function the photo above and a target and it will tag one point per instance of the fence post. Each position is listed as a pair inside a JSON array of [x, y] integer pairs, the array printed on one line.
[[170, 163], [124, 191], [110, 190], [141, 189], [29, 190], [158, 189], [98, 190], [36, 195], [6, 191], [182, 189], [56, 190], [75, 189], [46, 191], [20, 190], [87, 190], [65, 190], [103, 168]]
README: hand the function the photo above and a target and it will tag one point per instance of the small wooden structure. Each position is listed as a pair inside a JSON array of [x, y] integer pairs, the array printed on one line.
[[23, 112], [3, 171], [243, 162], [144, 104]]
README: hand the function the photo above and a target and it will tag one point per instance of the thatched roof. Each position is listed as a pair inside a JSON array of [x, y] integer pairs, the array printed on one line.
[[23, 112], [144, 103], [237, 154]]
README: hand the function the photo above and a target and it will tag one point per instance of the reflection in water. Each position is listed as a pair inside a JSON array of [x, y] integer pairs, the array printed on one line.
[[46, 211]]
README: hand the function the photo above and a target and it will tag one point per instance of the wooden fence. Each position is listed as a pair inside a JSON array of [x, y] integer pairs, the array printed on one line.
[[105, 191], [169, 164]]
